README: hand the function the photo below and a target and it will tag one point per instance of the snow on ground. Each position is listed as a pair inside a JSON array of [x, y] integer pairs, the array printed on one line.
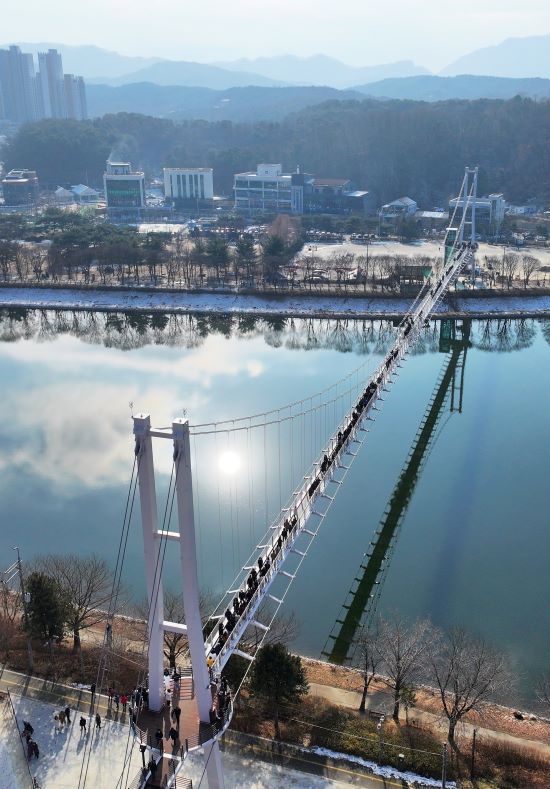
[[241, 772], [297, 306], [62, 753], [385, 772], [14, 773], [421, 247]]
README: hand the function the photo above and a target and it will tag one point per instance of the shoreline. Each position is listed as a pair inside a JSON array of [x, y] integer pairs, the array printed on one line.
[[473, 305]]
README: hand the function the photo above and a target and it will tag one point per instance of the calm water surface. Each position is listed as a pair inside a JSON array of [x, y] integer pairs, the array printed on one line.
[[475, 542]]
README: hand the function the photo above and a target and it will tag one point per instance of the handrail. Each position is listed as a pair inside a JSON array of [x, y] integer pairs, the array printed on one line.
[[33, 784]]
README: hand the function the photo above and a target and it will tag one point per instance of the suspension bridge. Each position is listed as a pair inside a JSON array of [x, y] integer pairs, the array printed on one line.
[[261, 583]]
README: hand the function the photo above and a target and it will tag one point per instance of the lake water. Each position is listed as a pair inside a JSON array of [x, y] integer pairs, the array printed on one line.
[[474, 544]]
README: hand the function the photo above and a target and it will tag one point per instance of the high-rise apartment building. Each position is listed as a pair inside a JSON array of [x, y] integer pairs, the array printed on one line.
[[18, 86], [28, 96], [52, 87], [75, 97]]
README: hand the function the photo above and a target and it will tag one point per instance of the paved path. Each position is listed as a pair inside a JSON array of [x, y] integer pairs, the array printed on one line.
[[382, 702]]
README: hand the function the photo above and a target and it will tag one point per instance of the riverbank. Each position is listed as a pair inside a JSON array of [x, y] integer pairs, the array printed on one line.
[[476, 304]]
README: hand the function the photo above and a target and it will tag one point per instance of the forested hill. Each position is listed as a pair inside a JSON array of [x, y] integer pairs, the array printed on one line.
[[253, 103], [250, 103], [393, 148]]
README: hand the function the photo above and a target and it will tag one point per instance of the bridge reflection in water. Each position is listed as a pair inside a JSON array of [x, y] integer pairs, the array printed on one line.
[[362, 599]]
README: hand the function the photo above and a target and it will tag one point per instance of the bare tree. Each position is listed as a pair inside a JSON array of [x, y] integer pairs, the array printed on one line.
[[10, 611], [467, 671], [542, 690], [86, 582], [175, 644], [403, 649], [530, 265], [510, 263], [371, 659], [283, 630]]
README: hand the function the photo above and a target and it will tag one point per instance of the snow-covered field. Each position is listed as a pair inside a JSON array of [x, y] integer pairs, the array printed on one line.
[[420, 247], [62, 753], [320, 306]]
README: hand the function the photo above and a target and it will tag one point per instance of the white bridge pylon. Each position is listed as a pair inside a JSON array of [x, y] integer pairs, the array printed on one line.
[[293, 531]]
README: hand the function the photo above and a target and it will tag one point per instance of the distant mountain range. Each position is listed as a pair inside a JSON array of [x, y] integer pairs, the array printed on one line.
[[321, 70], [515, 57], [431, 88], [90, 61], [256, 103], [189, 74]]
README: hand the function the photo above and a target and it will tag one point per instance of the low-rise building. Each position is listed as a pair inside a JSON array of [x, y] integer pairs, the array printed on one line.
[[268, 190], [85, 195], [490, 210], [188, 185], [63, 196], [402, 208], [20, 188], [124, 188]]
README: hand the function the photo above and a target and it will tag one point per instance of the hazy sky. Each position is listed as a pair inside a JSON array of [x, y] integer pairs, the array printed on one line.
[[361, 32]]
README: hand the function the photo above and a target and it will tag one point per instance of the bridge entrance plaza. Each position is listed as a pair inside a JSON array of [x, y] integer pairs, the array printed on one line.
[[61, 752]]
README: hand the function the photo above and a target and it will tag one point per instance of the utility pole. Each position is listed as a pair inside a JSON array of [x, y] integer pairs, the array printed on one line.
[[24, 602], [472, 762]]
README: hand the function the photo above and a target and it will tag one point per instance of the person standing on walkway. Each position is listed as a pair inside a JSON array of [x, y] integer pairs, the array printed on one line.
[[35, 749], [116, 699], [62, 717], [177, 713], [30, 749], [98, 721], [152, 766], [82, 725], [68, 715], [92, 691]]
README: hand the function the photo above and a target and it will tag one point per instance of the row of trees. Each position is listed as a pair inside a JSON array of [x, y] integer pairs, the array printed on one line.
[[465, 670], [390, 147], [199, 263]]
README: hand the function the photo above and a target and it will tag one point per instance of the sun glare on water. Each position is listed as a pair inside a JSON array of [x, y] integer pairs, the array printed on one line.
[[229, 462]]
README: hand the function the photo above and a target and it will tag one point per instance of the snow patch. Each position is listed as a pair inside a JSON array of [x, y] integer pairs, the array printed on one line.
[[385, 772]]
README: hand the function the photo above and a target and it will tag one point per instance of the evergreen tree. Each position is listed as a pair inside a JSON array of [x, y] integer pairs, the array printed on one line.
[[47, 608], [278, 677]]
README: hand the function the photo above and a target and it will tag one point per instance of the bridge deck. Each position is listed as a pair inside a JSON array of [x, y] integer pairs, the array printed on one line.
[[252, 585]]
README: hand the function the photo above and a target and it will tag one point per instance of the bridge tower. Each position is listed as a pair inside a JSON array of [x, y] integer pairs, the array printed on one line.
[[154, 542]]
